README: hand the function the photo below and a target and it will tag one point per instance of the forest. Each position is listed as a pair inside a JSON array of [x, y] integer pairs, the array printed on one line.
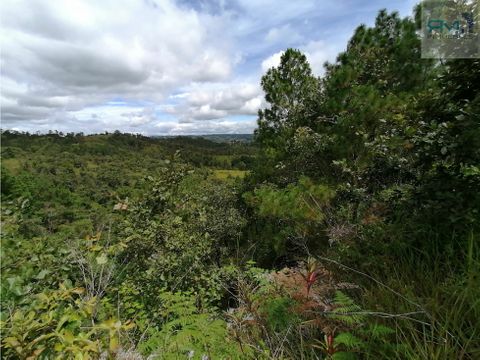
[[347, 229]]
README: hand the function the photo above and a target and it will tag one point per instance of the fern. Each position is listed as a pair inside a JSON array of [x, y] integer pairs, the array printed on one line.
[[187, 331], [346, 310], [349, 340], [342, 355], [343, 300], [377, 331], [278, 313]]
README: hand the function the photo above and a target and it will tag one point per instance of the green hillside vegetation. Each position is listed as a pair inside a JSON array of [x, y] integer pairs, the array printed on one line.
[[225, 174], [349, 228]]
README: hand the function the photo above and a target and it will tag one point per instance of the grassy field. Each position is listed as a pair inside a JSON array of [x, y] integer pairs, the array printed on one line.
[[226, 174], [12, 165]]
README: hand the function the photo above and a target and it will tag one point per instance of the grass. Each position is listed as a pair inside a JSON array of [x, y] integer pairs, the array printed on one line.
[[226, 174], [450, 295], [13, 165], [224, 159]]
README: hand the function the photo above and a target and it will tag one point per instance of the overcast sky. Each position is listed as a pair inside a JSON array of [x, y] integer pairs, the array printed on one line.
[[159, 67]]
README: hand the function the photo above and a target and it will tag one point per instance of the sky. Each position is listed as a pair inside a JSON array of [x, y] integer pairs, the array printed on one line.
[[160, 67]]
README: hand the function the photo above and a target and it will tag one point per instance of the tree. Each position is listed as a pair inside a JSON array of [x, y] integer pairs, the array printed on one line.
[[290, 90]]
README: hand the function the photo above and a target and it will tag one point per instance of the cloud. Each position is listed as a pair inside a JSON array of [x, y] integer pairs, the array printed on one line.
[[150, 66], [221, 126], [142, 117], [284, 34], [68, 55], [204, 112], [318, 52], [228, 97], [219, 100], [272, 61]]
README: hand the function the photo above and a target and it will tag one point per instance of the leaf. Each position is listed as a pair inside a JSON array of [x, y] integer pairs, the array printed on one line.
[[342, 355], [95, 248], [348, 339], [36, 353], [11, 281], [68, 337], [78, 291], [378, 331], [64, 319], [41, 275], [129, 325], [102, 259], [11, 341], [113, 346]]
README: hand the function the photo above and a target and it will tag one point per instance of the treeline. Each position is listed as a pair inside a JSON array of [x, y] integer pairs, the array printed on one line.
[[195, 150]]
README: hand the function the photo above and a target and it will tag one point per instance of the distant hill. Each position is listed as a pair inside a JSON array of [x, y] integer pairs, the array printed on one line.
[[215, 151], [245, 138], [218, 138]]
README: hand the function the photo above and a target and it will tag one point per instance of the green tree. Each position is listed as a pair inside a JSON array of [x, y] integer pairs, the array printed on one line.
[[290, 91]]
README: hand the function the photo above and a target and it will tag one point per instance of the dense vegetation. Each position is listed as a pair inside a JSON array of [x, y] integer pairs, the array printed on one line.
[[349, 229]]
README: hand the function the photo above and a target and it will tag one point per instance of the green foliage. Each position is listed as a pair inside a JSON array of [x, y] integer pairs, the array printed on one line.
[[396, 137], [450, 298], [8, 182], [187, 332], [298, 207], [57, 324], [299, 202], [346, 310], [179, 233], [342, 355], [348, 340], [116, 216], [279, 314], [289, 89]]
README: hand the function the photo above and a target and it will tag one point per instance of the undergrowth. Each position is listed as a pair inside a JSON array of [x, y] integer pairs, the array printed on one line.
[[447, 290]]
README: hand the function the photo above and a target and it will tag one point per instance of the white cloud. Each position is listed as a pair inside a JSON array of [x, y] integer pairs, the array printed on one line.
[[318, 52], [69, 55], [284, 34], [222, 126], [149, 66], [137, 118], [253, 105], [228, 96], [272, 61], [204, 112], [219, 100]]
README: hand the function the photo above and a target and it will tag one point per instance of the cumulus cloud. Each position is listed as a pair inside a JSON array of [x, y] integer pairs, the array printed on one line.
[[67, 55], [272, 61], [220, 100], [285, 34], [158, 66], [317, 53], [142, 117], [222, 126], [228, 97]]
